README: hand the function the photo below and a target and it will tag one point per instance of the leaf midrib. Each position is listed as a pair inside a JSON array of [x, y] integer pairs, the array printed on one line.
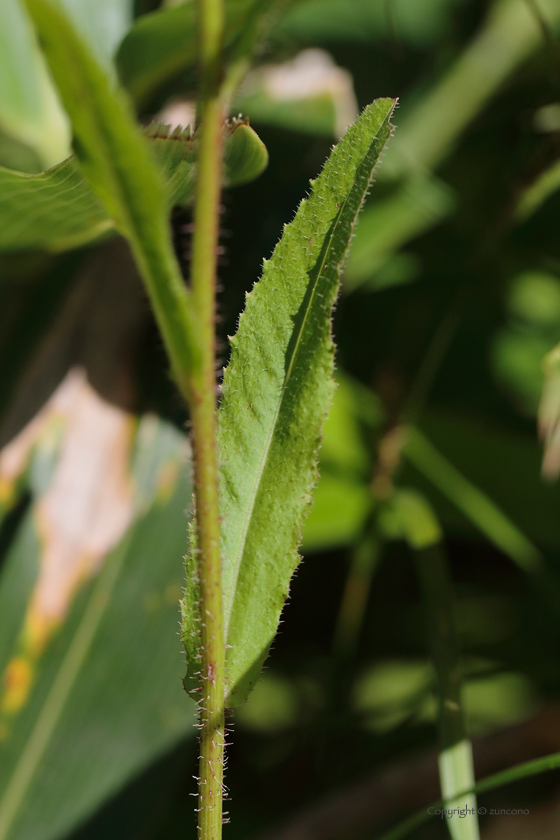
[[237, 565]]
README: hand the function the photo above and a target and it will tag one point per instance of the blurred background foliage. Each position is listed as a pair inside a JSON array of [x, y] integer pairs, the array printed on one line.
[[450, 299]]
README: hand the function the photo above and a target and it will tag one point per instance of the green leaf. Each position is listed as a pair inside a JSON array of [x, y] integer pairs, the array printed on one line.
[[163, 44], [473, 502], [57, 210], [91, 690], [117, 164], [505, 777], [455, 761], [419, 23], [309, 93], [275, 397], [408, 516], [30, 112], [534, 196], [340, 508], [103, 24], [414, 207], [158, 46], [433, 124], [549, 414]]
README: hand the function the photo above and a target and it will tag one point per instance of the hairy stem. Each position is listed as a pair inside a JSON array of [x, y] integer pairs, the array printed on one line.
[[203, 405]]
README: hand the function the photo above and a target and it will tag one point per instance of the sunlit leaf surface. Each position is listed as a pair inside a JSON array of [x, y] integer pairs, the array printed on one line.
[[276, 393]]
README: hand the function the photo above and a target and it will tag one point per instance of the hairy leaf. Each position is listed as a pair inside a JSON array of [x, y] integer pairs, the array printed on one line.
[[56, 210], [276, 393]]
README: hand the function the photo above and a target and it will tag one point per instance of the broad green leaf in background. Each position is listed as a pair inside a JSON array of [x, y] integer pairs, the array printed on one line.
[[163, 44], [340, 508], [91, 686], [342, 498], [419, 22], [158, 46], [56, 210], [276, 393], [309, 93], [34, 131], [103, 23], [531, 330]]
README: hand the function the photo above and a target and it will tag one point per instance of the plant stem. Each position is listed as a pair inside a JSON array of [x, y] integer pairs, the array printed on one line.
[[203, 406]]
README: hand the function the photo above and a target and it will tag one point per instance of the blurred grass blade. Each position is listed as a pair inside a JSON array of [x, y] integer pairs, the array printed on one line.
[[549, 414], [497, 780], [119, 168], [538, 192], [276, 394], [364, 561], [415, 206], [456, 772], [475, 504], [56, 210], [88, 699], [428, 132], [510, 34]]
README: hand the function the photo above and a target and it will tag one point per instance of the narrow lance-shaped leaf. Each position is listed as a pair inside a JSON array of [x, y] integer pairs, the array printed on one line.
[[276, 394]]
